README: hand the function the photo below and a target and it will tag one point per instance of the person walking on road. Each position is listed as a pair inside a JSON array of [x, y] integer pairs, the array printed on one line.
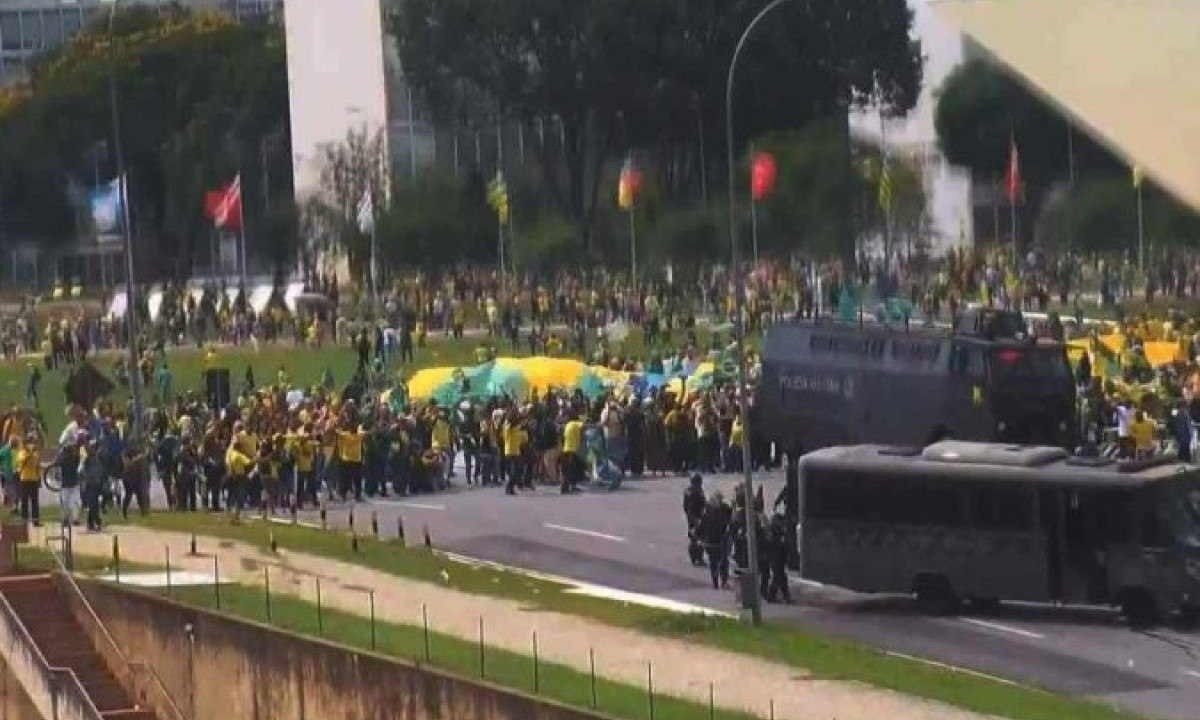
[[693, 510], [776, 553], [713, 533]]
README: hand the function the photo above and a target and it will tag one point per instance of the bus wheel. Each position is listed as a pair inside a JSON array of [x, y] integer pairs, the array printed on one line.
[[1138, 607], [934, 595]]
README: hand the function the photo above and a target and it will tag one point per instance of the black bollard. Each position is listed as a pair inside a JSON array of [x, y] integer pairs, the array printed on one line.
[[274, 545], [375, 524], [324, 524], [400, 530], [295, 514], [352, 519], [428, 540], [193, 545], [354, 542]]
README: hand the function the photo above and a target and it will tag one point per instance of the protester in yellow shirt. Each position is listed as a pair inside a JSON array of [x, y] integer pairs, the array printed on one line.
[[304, 453], [29, 472], [238, 463], [349, 449], [1142, 431], [572, 459], [514, 437]]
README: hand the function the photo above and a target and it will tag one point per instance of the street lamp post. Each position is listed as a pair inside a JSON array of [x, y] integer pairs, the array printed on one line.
[[739, 325], [135, 384]]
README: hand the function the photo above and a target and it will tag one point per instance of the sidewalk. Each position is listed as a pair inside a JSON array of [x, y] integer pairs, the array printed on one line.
[[681, 669]]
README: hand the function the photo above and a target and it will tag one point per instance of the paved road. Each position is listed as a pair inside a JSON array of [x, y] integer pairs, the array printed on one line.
[[633, 540]]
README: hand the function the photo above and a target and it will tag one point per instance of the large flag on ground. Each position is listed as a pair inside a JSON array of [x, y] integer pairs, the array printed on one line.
[[224, 206], [106, 207], [366, 213], [1012, 178]]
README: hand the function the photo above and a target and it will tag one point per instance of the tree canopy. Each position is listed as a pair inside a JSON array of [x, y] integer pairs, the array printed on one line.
[[624, 74], [202, 98]]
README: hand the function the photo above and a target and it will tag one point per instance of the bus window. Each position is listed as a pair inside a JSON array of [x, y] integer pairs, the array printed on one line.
[[832, 497], [1155, 532], [1181, 503], [968, 360], [1001, 508]]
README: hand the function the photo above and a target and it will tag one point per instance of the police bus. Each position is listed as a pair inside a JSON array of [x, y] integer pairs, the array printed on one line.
[[834, 383], [989, 522]]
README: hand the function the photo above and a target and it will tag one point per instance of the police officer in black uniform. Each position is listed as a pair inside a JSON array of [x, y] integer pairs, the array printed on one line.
[[693, 510]]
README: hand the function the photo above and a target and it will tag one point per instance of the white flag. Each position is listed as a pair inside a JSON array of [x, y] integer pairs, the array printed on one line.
[[366, 213], [106, 202]]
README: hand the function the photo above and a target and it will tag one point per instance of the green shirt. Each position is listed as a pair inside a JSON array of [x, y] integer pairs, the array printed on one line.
[[6, 460]]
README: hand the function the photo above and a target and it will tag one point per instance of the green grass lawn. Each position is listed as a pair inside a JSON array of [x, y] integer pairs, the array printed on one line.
[[305, 367], [825, 657]]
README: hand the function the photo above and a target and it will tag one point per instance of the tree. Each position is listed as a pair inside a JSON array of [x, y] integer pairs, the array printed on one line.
[[351, 170], [202, 98], [981, 108], [619, 74]]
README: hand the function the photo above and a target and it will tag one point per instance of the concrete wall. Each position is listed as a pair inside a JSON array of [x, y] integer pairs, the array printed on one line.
[[218, 668], [54, 694], [15, 703]]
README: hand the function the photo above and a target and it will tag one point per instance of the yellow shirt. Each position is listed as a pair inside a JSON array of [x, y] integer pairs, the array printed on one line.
[[238, 462], [350, 445], [29, 465], [735, 433], [572, 436], [1142, 434], [304, 452], [514, 438], [440, 437]]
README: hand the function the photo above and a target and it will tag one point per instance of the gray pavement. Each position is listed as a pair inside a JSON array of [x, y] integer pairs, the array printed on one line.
[[633, 539]]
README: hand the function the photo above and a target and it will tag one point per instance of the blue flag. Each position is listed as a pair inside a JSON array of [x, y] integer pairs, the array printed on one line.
[[106, 207]]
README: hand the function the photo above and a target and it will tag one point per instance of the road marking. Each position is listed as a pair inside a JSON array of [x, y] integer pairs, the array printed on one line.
[[413, 505], [947, 666], [1190, 673], [587, 533], [1004, 628]]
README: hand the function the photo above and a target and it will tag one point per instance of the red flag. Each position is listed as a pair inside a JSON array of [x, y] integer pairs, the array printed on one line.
[[224, 206], [762, 176], [1012, 179], [212, 200]]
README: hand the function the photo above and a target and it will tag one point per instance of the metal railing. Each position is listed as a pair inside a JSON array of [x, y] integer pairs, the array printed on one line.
[[142, 678], [59, 687]]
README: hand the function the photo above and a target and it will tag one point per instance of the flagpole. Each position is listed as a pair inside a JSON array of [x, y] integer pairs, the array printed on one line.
[[135, 376], [633, 269], [242, 232], [1141, 233], [754, 228]]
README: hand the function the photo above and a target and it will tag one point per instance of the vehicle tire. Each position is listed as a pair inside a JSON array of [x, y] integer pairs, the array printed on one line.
[[1138, 607], [934, 595], [52, 477]]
